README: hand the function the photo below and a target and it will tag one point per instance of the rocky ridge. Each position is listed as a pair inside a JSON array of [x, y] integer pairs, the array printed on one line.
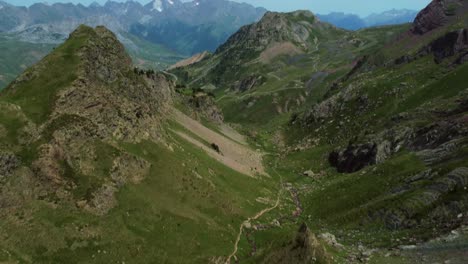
[[437, 14], [106, 103]]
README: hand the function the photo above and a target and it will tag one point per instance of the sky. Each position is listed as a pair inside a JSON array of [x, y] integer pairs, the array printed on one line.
[[360, 7]]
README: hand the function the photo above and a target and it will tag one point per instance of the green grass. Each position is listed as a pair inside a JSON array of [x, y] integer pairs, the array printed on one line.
[[37, 96], [170, 208]]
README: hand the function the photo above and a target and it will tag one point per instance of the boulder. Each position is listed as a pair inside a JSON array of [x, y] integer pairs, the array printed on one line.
[[354, 157], [8, 163], [247, 83]]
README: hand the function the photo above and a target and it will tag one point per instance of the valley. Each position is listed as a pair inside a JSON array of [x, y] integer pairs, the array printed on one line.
[[294, 141]]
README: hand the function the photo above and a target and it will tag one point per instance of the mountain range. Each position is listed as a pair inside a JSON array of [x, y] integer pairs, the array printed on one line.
[[355, 22], [293, 142], [198, 25]]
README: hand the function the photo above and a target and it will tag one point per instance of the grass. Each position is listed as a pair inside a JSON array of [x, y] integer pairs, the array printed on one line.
[[58, 70], [171, 207]]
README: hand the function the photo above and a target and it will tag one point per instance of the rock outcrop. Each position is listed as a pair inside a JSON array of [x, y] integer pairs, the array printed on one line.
[[247, 83], [8, 163], [431, 205], [305, 248], [450, 44], [356, 157], [203, 104], [192, 60], [437, 14]]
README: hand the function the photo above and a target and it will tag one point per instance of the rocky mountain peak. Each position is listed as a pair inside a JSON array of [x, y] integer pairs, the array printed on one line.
[[274, 27], [103, 54], [162, 5]]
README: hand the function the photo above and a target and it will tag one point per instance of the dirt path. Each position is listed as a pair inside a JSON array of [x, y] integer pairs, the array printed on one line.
[[258, 215], [233, 154], [241, 228], [173, 75], [258, 93]]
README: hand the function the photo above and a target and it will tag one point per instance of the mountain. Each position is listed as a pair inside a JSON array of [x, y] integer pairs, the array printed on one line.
[[391, 17], [279, 53], [342, 20], [354, 22]]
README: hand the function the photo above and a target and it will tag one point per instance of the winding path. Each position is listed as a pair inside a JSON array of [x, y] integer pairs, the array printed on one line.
[[258, 215]]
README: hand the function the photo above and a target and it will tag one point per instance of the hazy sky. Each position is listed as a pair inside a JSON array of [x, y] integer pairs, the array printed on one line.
[[360, 7]]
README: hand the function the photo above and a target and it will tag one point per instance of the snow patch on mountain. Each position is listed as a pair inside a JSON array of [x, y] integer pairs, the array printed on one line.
[[157, 5]]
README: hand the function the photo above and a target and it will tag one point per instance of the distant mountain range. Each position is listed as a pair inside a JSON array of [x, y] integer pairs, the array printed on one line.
[[354, 22], [184, 27]]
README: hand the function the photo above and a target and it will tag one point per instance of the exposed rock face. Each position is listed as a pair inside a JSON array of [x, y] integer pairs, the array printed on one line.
[[8, 163], [354, 157], [248, 83], [192, 60], [305, 248], [205, 105], [328, 107], [450, 44], [435, 15], [430, 206]]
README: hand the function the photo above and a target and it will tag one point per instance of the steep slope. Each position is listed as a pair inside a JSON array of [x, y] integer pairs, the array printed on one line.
[[98, 167]]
